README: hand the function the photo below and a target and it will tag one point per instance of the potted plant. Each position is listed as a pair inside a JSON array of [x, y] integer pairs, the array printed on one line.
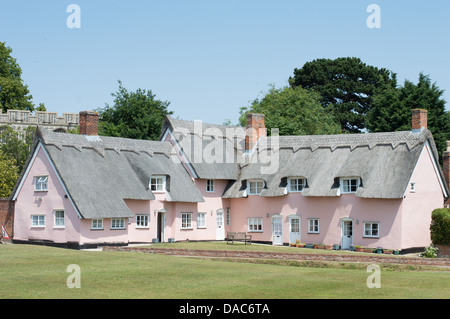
[[319, 246], [309, 246], [337, 247], [368, 250], [292, 244], [300, 245], [352, 247], [396, 251], [328, 246], [388, 251], [378, 250]]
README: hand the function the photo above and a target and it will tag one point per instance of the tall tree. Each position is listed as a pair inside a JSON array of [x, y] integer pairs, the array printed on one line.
[[347, 86], [14, 94], [294, 111], [392, 109], [389, 111], [137, 115]]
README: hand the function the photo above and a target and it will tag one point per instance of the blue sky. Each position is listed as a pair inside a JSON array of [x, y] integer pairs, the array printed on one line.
[[209, 58]]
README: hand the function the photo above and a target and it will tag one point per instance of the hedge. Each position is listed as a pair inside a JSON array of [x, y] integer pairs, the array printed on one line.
[[440, 226]]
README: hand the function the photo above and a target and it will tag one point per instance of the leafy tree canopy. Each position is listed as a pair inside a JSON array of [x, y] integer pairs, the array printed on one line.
[[347, 87], [17, 145], [294, 111], [13, 93], [9, 175], [137, 115], [392, 109]]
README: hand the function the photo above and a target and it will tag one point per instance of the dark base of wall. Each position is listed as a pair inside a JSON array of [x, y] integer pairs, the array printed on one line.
[[68, 245]]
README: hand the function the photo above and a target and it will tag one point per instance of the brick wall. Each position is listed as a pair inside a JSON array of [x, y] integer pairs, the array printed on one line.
[[7, 215]]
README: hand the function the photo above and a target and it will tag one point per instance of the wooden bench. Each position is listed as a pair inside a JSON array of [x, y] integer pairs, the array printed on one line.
[[238, 236]]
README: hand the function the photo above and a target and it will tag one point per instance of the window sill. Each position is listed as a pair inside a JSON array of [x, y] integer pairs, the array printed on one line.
[[187, 228]]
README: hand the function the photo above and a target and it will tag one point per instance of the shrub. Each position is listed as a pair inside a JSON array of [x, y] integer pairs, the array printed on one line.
[[440, 226], [430, 252]]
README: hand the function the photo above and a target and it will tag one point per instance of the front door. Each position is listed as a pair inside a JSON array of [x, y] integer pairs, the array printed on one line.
[[294, 229], [277, 230], [220, 229], [347, 234], [160, 227]]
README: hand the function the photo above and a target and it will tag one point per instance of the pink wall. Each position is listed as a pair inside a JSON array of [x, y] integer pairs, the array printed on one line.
[[418, 205], [30, 202], [329, 211]]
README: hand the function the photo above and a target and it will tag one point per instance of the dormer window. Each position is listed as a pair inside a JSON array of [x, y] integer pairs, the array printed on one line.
[[255, 187], [210, 185], [158, 183], [296, 184], [349, 185]]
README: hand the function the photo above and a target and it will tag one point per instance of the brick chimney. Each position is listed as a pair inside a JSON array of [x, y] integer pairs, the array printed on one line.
[[419, 119], [89, 123], [255, 129]]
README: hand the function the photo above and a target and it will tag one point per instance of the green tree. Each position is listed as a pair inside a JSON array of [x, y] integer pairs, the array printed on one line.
[[347, 86], [14, 94], [392, 109], [8, 176], [15, 145], [137, 115], [389, 112], [294, 111]]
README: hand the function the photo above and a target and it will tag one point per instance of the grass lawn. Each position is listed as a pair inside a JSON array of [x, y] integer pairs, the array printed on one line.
[[41, 272]]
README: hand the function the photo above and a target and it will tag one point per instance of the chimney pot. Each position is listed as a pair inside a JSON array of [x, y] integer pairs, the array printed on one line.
[[89, 123]]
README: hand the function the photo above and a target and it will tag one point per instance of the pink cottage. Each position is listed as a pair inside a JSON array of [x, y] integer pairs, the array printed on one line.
[[201, 181]]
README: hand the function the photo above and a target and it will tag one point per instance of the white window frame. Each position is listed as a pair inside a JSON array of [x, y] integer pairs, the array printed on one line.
[[186, 220], [117, 223], [40, 183], [160, 187], [142, 221], [228, 216], [259, 186], [201, 220], [37, 220], [346, 184], [255, 224], [57, 219], [313, 226], [210, 187], [97, 223], [298, 185], [369, 229]]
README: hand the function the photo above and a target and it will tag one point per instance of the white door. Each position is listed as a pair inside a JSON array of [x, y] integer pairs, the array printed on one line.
[[294, 229], [220, 229], [347, 234], [277, 230]]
